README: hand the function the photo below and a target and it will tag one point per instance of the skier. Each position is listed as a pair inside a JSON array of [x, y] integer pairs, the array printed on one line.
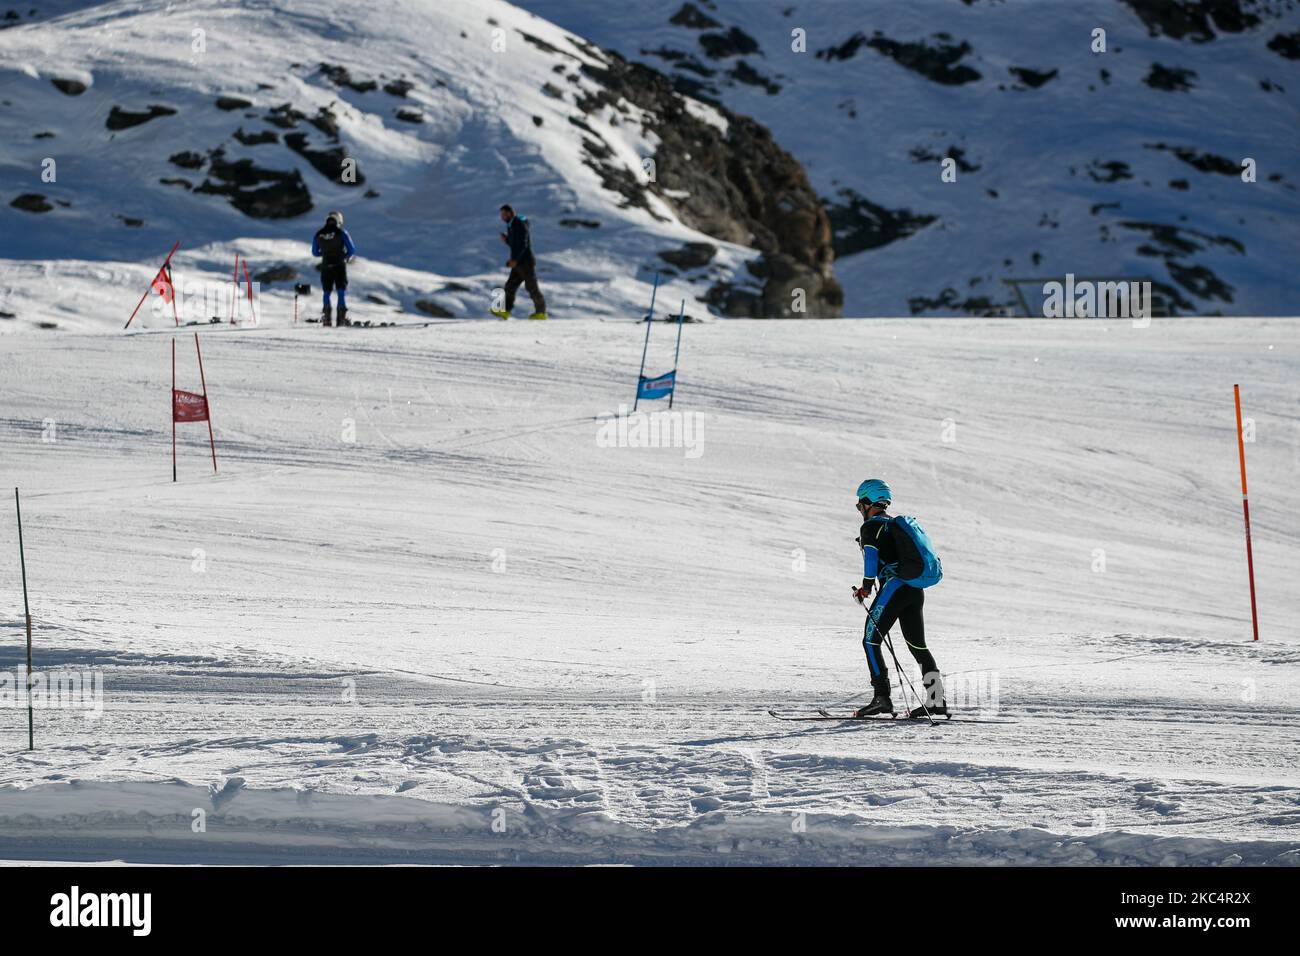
[[522, 264], [334, 246], [890, 554]]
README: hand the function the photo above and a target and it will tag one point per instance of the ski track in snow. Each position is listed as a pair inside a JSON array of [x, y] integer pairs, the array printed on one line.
[[604, 694]]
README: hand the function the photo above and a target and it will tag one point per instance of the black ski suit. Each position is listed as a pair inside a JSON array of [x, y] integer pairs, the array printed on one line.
[[895, 601]]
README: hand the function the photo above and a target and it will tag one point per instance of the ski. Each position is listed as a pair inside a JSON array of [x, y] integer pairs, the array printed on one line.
[[825, 715]]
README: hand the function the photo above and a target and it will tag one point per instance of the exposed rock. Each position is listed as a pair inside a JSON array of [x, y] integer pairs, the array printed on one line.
[[735, 302], [681, 61], [260, 193], [229, 103], [176, 181], [1174, 241], [858, 224], [693, 18], [735, 42], [693, 255], [1205, 162], [922, 155], [937, 63], [1032, 78], [783, 275], [327, 122], [580, 223], [339, 76], [1286, 44], [328, 162], [742, 72], [738, 185], [1169, 79], [280, 273], [119, 118], [187, 160], [410, 116], [129, 221], [950, 302], [285, 116], [31, 202], [399, 88], [1200, 281], [695, 89], [69, 87], [1194, 19], [1111, 172], [258, 138], [1174, 244], [432, 308]]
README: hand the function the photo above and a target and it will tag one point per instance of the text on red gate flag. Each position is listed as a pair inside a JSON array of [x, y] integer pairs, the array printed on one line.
[[188, 407]]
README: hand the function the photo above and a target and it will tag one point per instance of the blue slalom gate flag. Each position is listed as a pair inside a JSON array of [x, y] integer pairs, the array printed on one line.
[[664, 385], [660, 387]]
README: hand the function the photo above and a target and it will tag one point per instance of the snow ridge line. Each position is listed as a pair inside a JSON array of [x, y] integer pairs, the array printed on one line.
[[157, 822]]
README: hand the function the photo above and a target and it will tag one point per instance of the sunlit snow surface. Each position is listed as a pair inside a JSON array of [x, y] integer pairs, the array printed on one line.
[[358, 650]]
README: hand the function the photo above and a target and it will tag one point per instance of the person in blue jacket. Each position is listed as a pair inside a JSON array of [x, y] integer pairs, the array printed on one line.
[[882, 555], [334, 246], [523, 265]]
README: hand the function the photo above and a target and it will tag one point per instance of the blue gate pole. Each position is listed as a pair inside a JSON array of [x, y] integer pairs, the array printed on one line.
[[649, 321], [677, 354]]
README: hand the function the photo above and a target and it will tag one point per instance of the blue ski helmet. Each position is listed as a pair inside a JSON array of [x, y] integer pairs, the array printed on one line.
[[874, 491]]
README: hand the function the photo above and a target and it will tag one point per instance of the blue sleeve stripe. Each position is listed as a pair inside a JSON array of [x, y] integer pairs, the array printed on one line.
[[870, 561]]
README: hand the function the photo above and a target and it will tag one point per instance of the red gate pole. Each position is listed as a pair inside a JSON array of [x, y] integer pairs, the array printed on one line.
[[248, 287], [206, 404], [173, 285], [1245, 511], [150, 289], [171, 402], [234, 289]]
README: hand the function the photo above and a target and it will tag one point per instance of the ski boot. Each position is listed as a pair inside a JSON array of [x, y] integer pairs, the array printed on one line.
[[538, 315], [326, 317], [502, 314], [343, 316], [880, 704], [935, 705], [934, 710]]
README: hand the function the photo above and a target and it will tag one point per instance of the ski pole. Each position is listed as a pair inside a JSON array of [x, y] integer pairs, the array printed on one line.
[[902, 674]]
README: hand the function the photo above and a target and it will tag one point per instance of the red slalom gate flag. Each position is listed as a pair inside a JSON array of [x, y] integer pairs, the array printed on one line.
[[162, 284], [188, 406], [191, 406]]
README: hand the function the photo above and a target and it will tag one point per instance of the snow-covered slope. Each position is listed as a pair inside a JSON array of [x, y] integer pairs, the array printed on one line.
[[428, 585], [1123, 163], [448, 109]]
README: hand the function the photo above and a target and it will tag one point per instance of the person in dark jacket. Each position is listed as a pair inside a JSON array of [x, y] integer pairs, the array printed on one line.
[[522, 265], [334, 246]]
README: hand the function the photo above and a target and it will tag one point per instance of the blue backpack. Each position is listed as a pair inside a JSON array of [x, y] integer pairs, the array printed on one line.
[[917, 559]]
